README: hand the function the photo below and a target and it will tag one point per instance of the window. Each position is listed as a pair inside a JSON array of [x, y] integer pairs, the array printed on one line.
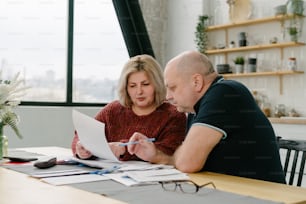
[[34, 40], [99, 51]]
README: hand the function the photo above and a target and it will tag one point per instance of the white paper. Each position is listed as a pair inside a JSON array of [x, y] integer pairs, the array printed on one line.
[[97, 163], [132, 178], [157, 175], [123, 179], [67, 172], [124, 165], [92, 135], [62, 180]]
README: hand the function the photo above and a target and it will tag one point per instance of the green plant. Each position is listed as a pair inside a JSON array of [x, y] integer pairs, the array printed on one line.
[[10, 93], [293, 30], [239, 60], [201, 36], [295, 7]]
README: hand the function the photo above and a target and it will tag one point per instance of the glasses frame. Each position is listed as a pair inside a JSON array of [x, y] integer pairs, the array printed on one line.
[[178, 184]]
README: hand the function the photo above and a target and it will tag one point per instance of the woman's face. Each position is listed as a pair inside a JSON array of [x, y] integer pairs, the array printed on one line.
[[140, 90]]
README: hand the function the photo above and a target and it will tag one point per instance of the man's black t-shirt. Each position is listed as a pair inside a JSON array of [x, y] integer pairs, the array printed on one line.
[[248, 148]]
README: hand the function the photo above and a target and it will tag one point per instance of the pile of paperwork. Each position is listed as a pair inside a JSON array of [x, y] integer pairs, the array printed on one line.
[[92, 136]]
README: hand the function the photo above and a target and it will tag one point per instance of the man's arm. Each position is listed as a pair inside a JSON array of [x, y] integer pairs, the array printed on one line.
[[189, 157], [193, 153]]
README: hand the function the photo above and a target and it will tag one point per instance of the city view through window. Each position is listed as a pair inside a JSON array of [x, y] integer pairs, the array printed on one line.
[[33, 41]]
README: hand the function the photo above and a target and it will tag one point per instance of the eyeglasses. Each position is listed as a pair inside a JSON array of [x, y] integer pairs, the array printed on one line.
[[186, 186]]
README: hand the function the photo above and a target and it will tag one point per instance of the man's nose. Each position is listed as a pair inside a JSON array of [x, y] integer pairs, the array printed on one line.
[[168, 96]]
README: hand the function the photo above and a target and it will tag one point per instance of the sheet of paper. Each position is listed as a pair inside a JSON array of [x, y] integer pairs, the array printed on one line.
[[123, 179], [67, 172], [62, 180], [157, 175], [132, 178], [97, 163], [124, 166], [92, 135]]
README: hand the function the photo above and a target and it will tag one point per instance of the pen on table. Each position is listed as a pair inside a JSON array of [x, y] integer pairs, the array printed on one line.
[[105, 171], [136, 142]]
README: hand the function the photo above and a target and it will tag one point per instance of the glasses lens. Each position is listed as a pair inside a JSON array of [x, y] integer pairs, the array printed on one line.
[[188, 187], [169, 186]]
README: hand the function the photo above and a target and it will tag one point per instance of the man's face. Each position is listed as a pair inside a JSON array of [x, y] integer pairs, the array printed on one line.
[[179, 90]]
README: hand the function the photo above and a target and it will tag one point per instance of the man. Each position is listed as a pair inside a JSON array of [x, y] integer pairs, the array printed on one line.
[[227, 132]]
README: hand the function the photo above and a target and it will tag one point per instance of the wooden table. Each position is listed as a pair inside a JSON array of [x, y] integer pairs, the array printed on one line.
[[18, 188], [256, 188]]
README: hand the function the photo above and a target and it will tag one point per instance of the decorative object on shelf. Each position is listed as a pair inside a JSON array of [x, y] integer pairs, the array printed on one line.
[[232, 44], [295, 9], [252, 64], [273, 40], [223, 68], [10, 93], [239, 10], [292, 64], [280, 111], [239, 64], [201, 36], [293, 113], [294, 33], [280, 10], [242, 39]]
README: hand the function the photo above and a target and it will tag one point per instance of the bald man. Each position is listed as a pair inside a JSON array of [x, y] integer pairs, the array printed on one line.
[[227, 132]]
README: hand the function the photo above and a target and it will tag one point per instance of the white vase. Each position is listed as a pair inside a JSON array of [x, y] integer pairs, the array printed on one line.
[[1, 141], [238, 68]]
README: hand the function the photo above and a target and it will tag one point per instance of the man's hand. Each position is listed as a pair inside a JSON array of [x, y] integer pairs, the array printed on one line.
[[144, 149]]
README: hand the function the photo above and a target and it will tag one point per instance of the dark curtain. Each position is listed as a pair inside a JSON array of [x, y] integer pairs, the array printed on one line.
[[133, 27]]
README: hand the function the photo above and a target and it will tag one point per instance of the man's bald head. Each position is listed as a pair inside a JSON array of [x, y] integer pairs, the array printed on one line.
[[191, 62]]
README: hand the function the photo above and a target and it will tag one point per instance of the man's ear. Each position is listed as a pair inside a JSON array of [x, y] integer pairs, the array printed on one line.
[[198, 82]]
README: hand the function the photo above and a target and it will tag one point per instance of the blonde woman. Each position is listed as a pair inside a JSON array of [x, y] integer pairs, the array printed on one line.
[[141, 108]]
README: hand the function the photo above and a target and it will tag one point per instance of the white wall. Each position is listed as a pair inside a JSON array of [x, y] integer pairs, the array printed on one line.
[[181, 23], [182, 19], [45, 126]]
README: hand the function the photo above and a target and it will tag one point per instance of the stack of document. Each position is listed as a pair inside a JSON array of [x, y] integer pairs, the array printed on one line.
[[132, 178], [92, 136]]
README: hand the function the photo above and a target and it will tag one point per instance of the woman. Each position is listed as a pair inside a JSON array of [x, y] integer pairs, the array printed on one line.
[[141, 108]]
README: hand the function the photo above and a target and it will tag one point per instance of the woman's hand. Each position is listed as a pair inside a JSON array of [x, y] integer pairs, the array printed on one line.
[[144, 149], [81, 151], [116, 149]]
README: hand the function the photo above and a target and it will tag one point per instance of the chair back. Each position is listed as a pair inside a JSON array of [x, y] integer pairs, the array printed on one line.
[[298, 147]]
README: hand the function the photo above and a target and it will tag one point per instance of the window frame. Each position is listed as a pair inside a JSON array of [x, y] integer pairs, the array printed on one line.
[[136, 44]]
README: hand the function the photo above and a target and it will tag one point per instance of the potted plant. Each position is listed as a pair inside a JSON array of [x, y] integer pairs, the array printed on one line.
[[293, 32], [295, 7], [201, 36], [239, 62]]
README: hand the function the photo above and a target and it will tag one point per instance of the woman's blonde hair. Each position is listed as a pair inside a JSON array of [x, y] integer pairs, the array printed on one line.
[[152, 69]]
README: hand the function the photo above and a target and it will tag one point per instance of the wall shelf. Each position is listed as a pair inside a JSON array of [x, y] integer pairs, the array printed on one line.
[[251, 22], [281, 46], [289, 120], [255, 47], [279, 74], [255, 74]]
